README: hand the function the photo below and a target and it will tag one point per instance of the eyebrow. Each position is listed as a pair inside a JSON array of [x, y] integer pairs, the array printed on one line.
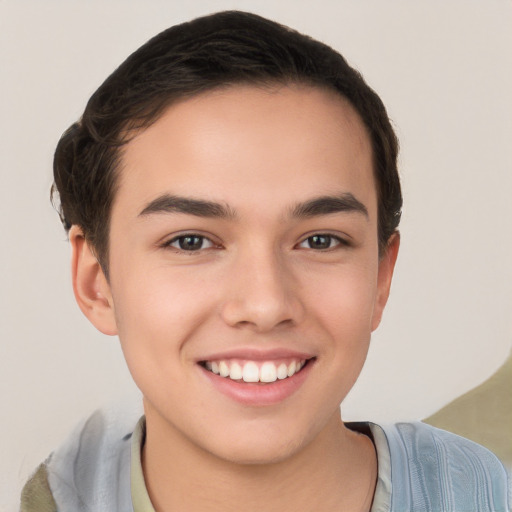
[[177, 204], [323, 205], [326, 205]]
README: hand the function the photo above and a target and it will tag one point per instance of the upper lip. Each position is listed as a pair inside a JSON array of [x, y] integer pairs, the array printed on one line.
[[257, 354]]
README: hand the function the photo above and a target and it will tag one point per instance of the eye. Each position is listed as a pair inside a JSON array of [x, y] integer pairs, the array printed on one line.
[[190, 242], [321, 242]]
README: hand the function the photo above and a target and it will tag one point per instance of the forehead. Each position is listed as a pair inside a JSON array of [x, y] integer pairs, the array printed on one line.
[[247, 144]]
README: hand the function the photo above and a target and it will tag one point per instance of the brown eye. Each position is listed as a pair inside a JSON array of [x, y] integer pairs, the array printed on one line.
[[190, 242], [320, 242]]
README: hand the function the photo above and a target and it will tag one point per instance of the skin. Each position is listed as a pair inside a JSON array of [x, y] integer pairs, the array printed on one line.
[[258, 282]]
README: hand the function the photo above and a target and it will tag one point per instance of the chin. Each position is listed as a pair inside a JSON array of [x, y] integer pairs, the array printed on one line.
[[259, 445], [258, 453]]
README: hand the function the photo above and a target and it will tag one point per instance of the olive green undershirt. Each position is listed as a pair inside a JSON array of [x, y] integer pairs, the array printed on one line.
[[142, 503], [140, 496]]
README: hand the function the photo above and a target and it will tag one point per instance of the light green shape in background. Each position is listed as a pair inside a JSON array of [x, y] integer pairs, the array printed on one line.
[[483, 414]]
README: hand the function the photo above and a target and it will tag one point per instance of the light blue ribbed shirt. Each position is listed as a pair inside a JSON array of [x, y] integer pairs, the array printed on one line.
[[421, 469]]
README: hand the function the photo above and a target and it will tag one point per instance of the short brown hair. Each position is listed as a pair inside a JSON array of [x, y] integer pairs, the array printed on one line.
[[209, 52]]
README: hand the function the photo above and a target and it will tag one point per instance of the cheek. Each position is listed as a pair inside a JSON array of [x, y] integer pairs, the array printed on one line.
[[156, 315], [344, 306], [345, 299]]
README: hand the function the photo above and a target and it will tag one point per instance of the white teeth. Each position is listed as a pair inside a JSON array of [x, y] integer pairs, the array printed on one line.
[[268, 372], [251, 372], [282, 371], [235, 372], [223, 369]]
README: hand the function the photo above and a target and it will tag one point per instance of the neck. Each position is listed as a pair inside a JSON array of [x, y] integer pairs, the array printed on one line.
[[336, 471]]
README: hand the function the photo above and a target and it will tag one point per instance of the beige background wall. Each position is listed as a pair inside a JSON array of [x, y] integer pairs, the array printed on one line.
[[443, 68]]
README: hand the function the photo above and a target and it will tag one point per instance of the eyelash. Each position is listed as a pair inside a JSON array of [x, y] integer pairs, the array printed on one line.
[[180, 240], [200, 240], [331, 238]]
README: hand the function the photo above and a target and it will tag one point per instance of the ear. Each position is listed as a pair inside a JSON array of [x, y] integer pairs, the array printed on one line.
[[91, 288], [385, 275]]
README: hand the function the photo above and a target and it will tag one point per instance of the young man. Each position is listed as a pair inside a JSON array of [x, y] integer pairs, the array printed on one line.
[[232, 200]]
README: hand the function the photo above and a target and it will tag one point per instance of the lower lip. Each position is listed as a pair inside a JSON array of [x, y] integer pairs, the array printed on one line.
[[256, 394]]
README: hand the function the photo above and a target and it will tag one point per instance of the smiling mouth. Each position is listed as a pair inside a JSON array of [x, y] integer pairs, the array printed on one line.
[[264, 372]]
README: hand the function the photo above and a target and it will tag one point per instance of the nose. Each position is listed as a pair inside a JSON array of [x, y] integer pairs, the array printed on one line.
[[262, 294]]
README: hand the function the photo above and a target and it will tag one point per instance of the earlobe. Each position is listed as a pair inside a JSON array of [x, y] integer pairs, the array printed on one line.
[[385, 276], [90, 286]]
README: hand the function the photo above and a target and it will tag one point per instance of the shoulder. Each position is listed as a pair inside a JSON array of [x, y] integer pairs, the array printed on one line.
[[432, 469], [90, 470]]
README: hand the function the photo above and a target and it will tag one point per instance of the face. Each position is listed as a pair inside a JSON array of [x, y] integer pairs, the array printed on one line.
[[245, 277]]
